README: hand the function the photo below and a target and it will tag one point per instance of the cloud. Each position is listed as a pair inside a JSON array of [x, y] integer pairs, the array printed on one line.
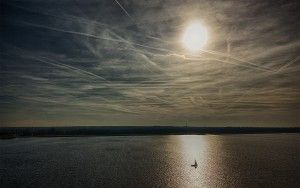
[[121, 63]]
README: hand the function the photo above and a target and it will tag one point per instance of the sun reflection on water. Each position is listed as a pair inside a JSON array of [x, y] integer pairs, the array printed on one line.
[[193, 147]]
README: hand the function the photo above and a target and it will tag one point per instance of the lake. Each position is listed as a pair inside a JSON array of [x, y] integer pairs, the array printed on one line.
[[253, 160]]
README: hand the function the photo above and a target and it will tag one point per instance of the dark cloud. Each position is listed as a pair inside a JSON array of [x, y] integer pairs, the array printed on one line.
[[121, 63]]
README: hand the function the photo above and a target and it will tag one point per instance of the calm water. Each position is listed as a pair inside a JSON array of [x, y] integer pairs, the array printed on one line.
[[271, 160]]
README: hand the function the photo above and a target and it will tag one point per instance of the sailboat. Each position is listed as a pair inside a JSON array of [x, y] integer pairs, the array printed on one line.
[[195, 164]]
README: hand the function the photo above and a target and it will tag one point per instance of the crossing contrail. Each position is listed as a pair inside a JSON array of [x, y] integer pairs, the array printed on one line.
[[124, 10]]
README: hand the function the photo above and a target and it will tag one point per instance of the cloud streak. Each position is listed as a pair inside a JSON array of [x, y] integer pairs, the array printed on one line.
[[75, 63]]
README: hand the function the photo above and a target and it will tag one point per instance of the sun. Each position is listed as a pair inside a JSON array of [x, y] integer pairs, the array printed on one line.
[[194, 37]]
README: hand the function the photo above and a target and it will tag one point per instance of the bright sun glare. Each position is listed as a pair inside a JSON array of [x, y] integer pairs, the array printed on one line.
[[194, 37]]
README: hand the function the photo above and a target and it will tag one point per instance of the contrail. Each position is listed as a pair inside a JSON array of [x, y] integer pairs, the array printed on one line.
[[78, 69], [234, 58], [250, 65], [124, 10], [62, 65], [245, 65], [196, 58], [65, 17], [115, 40], [96, 37], [288, 64], [81, 19]]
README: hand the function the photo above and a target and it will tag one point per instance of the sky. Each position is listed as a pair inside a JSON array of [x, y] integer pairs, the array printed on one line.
[[122, 62]]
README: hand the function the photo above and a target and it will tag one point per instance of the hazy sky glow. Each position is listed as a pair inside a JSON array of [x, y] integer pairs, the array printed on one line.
[[106, 62]]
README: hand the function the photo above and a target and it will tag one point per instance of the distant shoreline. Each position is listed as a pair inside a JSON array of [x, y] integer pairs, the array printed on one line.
[[14, 132]]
